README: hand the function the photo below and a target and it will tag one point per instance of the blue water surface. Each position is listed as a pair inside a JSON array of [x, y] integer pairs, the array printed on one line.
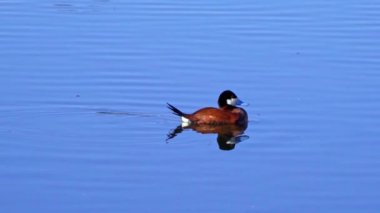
[[84, 86]]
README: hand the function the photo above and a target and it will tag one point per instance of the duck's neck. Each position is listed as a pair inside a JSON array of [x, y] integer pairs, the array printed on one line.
[[227, 107]]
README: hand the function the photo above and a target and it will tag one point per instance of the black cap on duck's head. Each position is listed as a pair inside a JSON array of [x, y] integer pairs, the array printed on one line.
[[227, 97]]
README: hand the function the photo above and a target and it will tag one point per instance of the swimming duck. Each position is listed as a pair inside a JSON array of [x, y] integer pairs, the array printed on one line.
[[227, 113]]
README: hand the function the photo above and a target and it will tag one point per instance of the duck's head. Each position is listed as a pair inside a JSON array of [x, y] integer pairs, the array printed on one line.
[[227, 97]]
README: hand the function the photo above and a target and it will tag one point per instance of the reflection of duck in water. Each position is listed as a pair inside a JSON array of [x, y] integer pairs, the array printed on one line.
[[228, 134], [228, 121]]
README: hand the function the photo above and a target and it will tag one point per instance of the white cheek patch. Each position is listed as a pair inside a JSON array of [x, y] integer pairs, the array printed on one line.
[[232, 101]]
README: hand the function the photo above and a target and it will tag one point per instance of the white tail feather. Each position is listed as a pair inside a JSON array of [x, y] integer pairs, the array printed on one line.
[[185, 122]]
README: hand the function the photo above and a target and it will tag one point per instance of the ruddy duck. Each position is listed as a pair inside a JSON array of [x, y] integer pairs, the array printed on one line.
[[227, 113]]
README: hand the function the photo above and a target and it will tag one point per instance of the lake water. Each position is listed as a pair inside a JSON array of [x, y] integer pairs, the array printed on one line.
[[84, 86]]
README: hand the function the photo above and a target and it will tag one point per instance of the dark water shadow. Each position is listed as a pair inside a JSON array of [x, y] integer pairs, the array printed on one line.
[[136, 114], [90, 6], [228, 136]]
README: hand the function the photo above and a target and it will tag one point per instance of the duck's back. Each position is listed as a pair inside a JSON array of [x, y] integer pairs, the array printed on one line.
[[211, 115]]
